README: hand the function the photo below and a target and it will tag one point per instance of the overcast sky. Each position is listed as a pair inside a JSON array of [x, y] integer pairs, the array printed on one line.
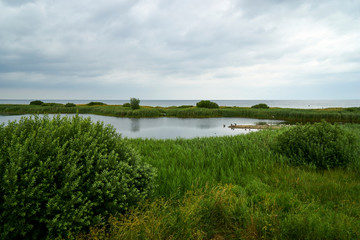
[[180, 49]]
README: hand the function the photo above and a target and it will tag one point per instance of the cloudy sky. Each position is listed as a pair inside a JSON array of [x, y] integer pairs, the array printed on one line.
[[180, 49]]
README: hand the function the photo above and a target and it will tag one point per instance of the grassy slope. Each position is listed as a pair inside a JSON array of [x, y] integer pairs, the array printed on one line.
[[238, 188]]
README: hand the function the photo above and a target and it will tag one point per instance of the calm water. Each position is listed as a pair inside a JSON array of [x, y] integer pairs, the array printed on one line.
[[306, 104], [168, 128]]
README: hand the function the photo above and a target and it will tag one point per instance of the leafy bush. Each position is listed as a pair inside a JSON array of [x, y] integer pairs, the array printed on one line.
[[62, 175], [36, 102], [126, 105], [322, 145], [260, 105], [95, 103], [207, 104], [134, 103], [70, 105]]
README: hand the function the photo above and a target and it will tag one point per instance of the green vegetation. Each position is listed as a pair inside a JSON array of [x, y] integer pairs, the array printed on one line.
[[70, 105], [96, 104], [351, 115], [59, 176], [63, 175], [36, 102], [52, 104], [207, 104], [239, 188], [134, 103], [261, 105], [321, 145], [126, 105]]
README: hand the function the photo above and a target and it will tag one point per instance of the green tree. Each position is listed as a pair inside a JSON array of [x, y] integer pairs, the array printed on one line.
[[207, 104], [134, 103]]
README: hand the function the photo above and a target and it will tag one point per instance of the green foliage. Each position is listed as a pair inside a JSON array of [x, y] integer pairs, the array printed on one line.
[[96, 104], [36, 102], [266, 197], [70, 105], [62, 175], [229, 211], [290, 115], [52, 105], [260, 105], [207, 104], [134, 103], [322, 145], [126, 105], [185, 106]]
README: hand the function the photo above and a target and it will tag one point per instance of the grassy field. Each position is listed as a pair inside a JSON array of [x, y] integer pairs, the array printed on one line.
[[239, 188], [287, 114]]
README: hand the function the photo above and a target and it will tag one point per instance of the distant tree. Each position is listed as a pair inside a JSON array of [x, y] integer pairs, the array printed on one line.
[[126, 105], [95, 103], [207, 104], [70, 105], [260, 105], [134, 103], [36, 102]]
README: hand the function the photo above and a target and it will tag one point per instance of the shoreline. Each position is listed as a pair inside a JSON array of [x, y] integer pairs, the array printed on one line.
[[265, 126]]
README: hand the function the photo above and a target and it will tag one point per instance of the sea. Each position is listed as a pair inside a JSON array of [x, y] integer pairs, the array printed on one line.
[[303, 104]]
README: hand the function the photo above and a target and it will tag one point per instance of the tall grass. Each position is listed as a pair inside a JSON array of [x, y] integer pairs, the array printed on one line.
[[238, 188], [185, 164]]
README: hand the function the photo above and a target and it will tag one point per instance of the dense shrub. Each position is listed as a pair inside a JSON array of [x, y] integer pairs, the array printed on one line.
[[134, 103], [126, 105], [207, 104], [322, 145], [70, 105], [62, 175], [36, 102], [96, 103], [260, 105]]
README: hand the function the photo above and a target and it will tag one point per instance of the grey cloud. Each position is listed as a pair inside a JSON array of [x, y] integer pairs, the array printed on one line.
[[16, 2], [172, 40]]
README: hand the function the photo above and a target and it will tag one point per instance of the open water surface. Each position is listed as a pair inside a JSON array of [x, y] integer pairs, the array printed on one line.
[[168, 128]]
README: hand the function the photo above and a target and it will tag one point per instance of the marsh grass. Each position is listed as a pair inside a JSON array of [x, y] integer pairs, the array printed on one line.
[[287, 114], [238, 188], [231, 211]]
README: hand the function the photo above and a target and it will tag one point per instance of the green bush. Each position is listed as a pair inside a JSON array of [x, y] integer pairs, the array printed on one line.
[[62, 175], [126, 105], [36, 102], [260, 105], [322, 145], [207, 104], [70, 105], [134, 103], [96, 103]]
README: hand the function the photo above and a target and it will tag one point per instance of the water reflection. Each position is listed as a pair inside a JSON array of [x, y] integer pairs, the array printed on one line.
[[135, 124], [164, 128]]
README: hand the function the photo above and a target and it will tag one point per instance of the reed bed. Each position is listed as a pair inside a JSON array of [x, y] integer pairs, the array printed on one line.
[[239, 188]]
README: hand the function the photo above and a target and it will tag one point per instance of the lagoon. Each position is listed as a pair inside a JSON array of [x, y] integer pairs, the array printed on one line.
[[168, 128]]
